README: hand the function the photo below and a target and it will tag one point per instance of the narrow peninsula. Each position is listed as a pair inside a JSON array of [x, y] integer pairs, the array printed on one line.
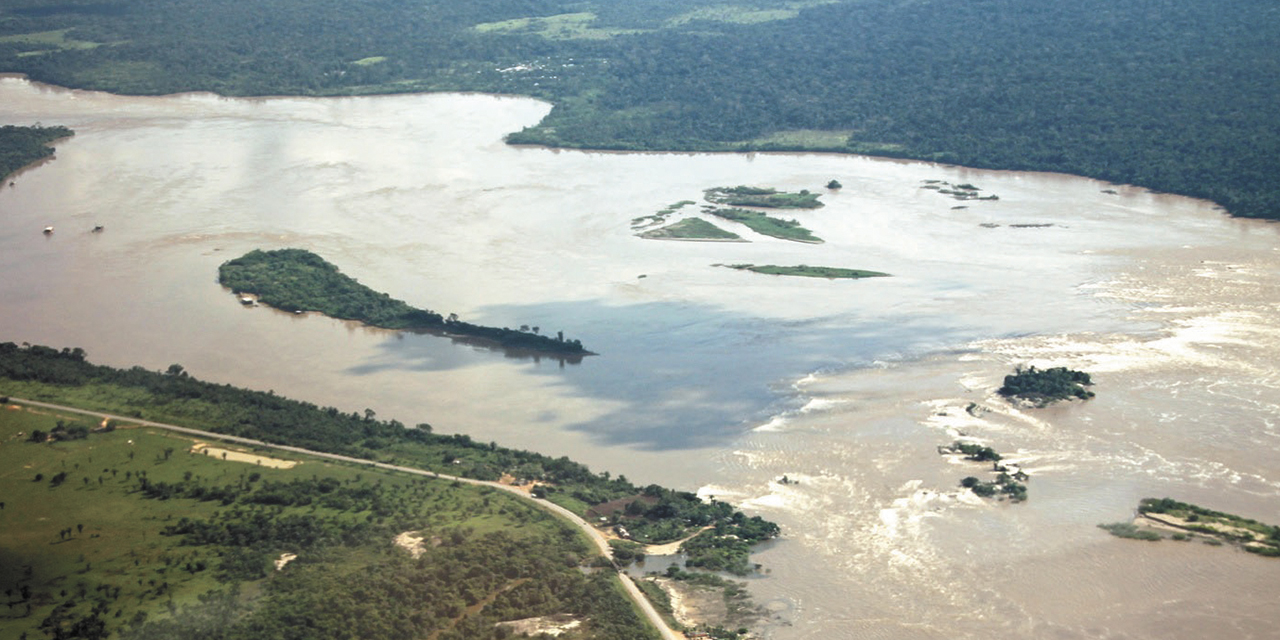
[[297, 280]]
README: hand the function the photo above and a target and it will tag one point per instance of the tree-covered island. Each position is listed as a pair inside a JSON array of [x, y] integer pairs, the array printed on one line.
[[170, 536], [297, 280], [1043, 387]]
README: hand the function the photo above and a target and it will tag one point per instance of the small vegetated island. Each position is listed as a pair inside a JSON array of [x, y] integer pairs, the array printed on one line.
[[21, 146], [766, 225], [733, 199], [806, 271], [1162, 518], [1043, 387], [692, 229], [138, 533], [1008, 480], [297, 280], [744, 196]]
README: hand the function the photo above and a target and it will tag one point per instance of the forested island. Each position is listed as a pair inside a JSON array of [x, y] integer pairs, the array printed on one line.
[[1177, 96], [21, 146], [649, 513], [297, 280], [1160, 518], [1043, 387]]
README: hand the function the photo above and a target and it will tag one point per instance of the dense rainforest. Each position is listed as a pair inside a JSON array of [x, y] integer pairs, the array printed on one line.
[[1173, 95]]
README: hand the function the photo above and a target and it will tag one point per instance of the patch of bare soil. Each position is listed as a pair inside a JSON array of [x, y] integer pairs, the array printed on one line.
[[545, 625]]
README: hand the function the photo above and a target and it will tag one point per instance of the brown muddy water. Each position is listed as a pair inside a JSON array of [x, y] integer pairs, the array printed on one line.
[[711, 379]]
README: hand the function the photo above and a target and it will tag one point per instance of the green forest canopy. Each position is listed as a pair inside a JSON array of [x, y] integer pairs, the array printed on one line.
[[1174, 95]]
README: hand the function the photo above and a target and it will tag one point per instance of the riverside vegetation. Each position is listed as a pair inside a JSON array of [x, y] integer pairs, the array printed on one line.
[[652, 514], [990, 84], [298, 280], [21, 146], [126, 533], [1166, 517]]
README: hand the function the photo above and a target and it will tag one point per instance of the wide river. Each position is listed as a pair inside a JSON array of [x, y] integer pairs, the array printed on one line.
[[708, 378]]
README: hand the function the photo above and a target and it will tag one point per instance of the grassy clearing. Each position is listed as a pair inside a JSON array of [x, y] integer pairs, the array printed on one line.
[[371, 60], [737, 14], [564, 26], [692, 229], [805, 139], [767, 225], [806, 271], [50, 39]]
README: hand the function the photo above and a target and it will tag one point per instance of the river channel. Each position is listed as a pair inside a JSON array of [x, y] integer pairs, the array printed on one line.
[[708, 378]]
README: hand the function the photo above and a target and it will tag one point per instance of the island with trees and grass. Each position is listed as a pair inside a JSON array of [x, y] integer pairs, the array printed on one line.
[[1161, 518], [765, 224], [765, 197], [348, 516], [297, 280], [1043, 387], [806, 271]]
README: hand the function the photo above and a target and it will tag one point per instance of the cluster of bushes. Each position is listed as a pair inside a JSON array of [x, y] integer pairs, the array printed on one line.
[[1003, 485]]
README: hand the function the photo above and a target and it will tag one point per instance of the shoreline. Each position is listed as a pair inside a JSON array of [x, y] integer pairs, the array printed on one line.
[[748, 152]]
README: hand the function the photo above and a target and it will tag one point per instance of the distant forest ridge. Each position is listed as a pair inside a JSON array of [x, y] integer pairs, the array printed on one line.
[[1174, 95]]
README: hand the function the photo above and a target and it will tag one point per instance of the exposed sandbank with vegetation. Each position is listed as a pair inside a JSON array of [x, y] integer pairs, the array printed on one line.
[[1166, 518]]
